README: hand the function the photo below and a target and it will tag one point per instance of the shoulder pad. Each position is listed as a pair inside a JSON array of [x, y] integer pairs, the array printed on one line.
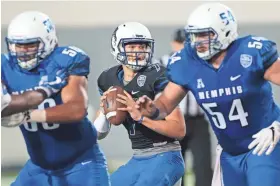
[[105, 76], [267, 50], [74, 59]]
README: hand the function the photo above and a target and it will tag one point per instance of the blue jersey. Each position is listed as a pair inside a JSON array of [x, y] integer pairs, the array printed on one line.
[[236, 98], [51, 145]]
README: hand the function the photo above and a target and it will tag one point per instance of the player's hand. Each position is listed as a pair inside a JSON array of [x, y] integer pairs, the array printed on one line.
[[103, 97], [266, 139], [146, 106], [130, 106], [54, 82]]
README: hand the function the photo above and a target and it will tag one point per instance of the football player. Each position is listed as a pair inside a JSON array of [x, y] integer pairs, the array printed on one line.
[[157, 159], [61, 142], [229, 77]]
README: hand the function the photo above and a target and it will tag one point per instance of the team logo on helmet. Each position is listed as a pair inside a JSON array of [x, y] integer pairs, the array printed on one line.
[[114, 38], [49, 26]]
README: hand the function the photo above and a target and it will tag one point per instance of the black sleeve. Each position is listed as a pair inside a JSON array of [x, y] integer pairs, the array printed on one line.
[[100, 83], [161, 81]]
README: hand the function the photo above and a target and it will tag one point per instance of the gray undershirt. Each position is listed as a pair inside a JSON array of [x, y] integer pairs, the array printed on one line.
[[125, 82], [157, 149]]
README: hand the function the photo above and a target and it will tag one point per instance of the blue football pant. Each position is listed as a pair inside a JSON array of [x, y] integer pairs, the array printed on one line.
[[251, 170], [91, 171], [163, 169]]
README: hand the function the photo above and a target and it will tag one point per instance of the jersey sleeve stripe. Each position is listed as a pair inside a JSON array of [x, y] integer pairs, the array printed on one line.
[[268, 60]]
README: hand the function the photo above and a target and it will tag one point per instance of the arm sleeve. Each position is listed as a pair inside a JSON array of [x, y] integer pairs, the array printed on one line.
[[160, 83], [100, 85], [175, 68]]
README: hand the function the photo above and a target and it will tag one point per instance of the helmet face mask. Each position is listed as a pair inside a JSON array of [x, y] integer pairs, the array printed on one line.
[[132, 45], [219, 25], [205, 42], [26, 52], [136, 53], [31, 38]]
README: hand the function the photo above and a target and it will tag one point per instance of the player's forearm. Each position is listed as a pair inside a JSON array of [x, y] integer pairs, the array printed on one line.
[[164, 109], [65, 113], [169, 128], [169, 99], [24, 102]]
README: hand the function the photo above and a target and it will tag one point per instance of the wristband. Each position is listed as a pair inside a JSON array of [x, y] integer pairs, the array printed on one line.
[[46, 90], [36, 116], [101, 123], [140, 120]]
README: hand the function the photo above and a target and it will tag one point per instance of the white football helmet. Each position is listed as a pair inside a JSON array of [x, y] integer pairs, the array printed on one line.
[[31, 27], [131, 32], [216, 18]]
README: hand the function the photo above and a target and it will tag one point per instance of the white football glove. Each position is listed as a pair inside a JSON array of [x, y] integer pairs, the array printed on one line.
[[14, 120], [5, 97], [266, 139]]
